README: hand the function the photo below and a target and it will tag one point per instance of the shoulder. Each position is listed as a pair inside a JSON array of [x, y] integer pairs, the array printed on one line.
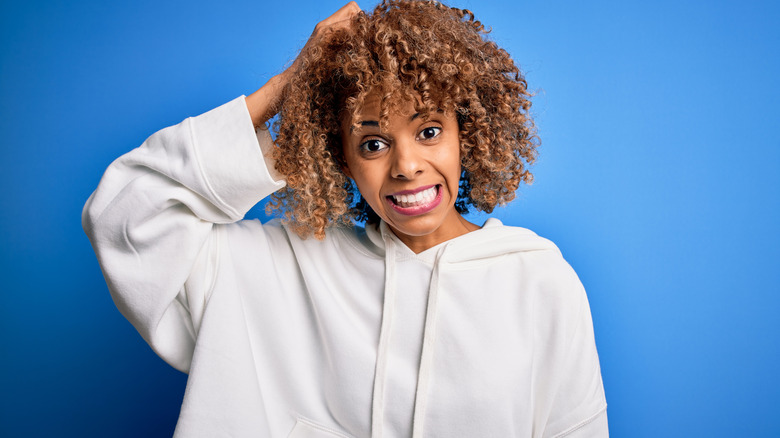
[[538, 261]]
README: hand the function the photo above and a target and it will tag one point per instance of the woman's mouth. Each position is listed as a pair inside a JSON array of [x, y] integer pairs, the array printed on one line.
[[416, 202]]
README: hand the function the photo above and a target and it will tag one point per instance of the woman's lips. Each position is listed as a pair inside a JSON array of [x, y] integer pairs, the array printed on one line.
[[416, 202]]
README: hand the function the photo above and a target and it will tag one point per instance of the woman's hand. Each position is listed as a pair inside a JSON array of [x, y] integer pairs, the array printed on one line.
[[265, 102]]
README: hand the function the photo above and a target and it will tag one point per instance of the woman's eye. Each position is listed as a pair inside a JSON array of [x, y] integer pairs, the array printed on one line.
[[429, 132], [373, 145]]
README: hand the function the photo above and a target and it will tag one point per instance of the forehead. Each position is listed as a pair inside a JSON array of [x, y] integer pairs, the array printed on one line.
[[370, 109], [397, 105]]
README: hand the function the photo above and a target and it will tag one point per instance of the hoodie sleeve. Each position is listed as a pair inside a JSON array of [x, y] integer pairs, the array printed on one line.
[[579, 405], [152, 217]]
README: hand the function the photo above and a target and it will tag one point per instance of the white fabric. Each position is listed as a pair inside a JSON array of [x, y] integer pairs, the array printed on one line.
[[486, 335]]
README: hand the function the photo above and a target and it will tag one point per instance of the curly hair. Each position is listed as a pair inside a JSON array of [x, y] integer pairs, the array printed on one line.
[[406, 50]]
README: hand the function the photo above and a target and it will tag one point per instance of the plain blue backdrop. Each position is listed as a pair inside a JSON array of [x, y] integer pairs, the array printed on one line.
[[658, 178]]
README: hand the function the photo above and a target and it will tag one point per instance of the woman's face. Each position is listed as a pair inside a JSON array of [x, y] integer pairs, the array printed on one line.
[[409, 174]]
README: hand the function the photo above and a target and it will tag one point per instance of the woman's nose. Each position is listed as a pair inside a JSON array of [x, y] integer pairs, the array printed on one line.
[[406, 161]]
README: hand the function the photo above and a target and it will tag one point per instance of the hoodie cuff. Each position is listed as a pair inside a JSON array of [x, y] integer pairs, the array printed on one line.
[[267, 147], [231, 158]]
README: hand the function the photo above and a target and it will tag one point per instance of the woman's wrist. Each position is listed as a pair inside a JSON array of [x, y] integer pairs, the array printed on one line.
[[265, 102]]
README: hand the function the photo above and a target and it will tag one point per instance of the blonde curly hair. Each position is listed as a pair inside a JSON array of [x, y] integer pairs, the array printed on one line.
[[406, 50]]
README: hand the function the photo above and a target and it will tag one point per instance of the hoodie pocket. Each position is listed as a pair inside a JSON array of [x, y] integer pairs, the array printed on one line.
[[305, 428]]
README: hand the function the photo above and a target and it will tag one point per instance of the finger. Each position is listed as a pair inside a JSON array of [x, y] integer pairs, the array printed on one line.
[[344, 14]]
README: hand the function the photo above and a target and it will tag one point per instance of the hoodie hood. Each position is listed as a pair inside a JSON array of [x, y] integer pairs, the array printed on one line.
[[492, 240]]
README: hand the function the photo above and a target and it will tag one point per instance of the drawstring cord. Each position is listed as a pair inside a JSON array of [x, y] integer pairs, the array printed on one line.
[[388, 307], [426, 359]]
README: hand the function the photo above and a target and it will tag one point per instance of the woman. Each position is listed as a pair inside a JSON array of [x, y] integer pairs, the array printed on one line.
[[418, 324]]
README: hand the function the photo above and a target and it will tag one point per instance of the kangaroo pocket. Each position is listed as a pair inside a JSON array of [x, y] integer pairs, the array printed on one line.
[[305, 428]]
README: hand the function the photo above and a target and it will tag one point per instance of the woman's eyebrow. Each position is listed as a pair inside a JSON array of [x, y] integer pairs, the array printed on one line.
[[376, 123]]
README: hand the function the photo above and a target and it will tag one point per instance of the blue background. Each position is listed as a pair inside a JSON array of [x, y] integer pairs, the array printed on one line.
[[657, 178]]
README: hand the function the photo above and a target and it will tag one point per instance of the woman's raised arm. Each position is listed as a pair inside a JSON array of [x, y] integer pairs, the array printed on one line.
[[152, 218]]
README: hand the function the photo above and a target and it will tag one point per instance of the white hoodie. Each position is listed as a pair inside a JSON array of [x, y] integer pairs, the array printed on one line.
[[486, 335]]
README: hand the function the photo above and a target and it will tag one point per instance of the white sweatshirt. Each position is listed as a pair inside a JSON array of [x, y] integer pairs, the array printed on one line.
[[486, 335]]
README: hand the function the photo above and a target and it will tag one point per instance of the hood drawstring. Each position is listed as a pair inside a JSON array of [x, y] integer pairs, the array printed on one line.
[[426, 359], [377, 404], [429, 335]]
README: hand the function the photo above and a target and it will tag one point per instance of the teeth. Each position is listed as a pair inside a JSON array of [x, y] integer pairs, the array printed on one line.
[[419, 198]]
